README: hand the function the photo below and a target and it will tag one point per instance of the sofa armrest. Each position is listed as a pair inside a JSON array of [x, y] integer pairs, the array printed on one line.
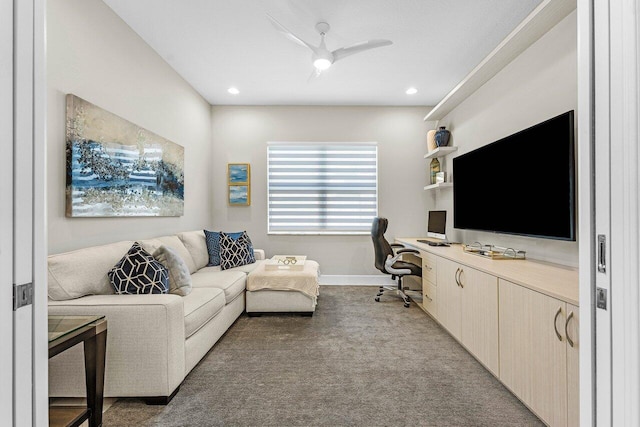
[[259, 253], [145, 346]]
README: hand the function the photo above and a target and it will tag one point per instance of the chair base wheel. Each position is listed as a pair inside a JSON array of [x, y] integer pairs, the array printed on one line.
[[377, 299], [406, 304]]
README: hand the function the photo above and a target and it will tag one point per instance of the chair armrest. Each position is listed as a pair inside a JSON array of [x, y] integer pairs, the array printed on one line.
[[396, 245], [407, 251], [145, 345]]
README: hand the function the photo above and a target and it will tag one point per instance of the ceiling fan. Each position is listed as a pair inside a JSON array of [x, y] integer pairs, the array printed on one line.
[[322, 57]]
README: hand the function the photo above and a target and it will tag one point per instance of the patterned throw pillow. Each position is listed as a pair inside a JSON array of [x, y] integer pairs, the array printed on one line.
[[213, 245], [235, 252], [179, 276], [139, 273]]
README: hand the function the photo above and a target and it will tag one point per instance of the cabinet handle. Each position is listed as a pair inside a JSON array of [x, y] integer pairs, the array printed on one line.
[[460, 278], [566, 328], [456, 276], [555, 321], [428, 297]]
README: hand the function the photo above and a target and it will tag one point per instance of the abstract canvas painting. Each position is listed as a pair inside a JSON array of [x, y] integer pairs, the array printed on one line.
[[116, 168]]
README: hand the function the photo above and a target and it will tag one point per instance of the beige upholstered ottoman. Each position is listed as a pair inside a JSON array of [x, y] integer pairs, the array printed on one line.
[[283, 290]]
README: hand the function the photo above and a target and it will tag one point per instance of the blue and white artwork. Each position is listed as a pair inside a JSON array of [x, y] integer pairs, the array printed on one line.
[[115, 168], [239, 195], [238, 173]]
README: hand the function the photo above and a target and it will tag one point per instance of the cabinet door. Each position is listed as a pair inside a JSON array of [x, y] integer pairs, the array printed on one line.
[[573, 368], [533, 359], [479, 311], [448, 296]]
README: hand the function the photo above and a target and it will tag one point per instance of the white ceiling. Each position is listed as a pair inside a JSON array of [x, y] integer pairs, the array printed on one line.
[[216, 44]]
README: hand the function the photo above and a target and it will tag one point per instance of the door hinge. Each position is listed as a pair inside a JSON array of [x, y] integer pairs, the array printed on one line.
[[22, 295]]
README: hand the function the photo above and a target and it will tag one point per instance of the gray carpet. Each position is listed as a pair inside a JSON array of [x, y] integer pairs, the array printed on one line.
[[355, 362]]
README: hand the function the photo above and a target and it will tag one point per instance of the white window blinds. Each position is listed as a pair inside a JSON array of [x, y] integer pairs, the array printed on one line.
[[322, 188]]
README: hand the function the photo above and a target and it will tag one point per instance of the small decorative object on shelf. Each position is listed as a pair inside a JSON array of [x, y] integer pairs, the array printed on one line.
[[442, 137], [431, 140], [435, 169], [441, 177], [493, 252]]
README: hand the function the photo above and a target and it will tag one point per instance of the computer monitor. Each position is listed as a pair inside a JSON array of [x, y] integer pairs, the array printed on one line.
[[437, 225]]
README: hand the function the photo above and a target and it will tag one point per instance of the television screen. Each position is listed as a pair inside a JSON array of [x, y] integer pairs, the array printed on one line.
[[522, 184]]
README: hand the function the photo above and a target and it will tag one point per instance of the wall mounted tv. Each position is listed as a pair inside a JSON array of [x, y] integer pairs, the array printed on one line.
[[522, 184]]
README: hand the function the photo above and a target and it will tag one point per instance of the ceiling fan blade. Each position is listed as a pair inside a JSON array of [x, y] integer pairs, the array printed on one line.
[[358, 47], [288, 34]]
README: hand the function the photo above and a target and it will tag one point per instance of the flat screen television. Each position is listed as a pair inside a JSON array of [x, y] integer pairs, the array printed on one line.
[[522, 184]]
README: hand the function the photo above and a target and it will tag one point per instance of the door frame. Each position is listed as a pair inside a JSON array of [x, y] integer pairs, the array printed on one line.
[[6, 207]]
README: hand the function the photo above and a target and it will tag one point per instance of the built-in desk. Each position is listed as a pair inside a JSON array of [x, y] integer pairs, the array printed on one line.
[[519, 318]]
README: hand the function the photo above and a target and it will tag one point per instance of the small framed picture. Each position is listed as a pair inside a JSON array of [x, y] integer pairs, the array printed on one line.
[[238, 173], [239, 184], [239, 195]]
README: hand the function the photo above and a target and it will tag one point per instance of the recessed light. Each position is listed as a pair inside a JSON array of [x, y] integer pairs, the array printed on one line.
[[233, 90], [412, 91]]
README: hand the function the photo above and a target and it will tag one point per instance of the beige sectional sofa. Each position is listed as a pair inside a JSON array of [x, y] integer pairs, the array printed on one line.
[[153, 341]]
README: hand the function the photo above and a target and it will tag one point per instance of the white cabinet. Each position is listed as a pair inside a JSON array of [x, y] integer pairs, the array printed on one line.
[[537, 362], [468, 309]]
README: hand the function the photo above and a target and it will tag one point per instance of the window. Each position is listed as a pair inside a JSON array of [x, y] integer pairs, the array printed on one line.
[[322, 188]]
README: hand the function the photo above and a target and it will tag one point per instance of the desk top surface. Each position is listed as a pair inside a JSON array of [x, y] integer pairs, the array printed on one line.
[[554, 280]]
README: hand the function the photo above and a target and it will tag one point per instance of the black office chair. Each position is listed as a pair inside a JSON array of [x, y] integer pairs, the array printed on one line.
[[388, 260]]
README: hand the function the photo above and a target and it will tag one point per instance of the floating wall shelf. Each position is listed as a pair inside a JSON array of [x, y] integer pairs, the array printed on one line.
[[440, 152], [439, 185]]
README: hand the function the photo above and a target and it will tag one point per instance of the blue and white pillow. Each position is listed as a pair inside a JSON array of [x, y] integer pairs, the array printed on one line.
[[213, 245], [138, 272], [235, 252]]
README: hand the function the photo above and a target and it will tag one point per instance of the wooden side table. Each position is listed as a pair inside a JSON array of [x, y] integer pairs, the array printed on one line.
[[64, 333]]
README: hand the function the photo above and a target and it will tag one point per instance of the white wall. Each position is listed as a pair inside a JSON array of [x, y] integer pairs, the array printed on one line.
[[240, 134], [539, 84], [93, 54]]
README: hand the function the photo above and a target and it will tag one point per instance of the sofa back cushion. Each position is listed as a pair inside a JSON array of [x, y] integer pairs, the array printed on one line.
[[152, 245], [83, 272], [195, 243]]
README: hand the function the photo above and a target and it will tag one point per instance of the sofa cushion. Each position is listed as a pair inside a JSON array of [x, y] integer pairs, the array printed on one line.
[[230, 281], [84, 271], [235, 252], [179, 276], [195, 243], [212, 239], [247, 268], [200, 306], [138, 272], [152, 245]]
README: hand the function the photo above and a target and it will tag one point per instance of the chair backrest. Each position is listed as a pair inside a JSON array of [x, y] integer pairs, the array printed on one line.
[[380, 245]]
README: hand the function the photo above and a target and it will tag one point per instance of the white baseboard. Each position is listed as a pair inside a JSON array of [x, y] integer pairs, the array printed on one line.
[[356, 280]]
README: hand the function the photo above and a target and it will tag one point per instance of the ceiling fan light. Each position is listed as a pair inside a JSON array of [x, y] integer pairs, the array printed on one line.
[[322, 64]]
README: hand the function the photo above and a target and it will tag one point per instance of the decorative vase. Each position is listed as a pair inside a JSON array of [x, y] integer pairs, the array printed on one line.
[[442, 137], [434, 169], [431, 140]]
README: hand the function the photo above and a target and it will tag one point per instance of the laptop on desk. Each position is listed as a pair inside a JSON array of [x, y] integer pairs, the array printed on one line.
[[436, 229]]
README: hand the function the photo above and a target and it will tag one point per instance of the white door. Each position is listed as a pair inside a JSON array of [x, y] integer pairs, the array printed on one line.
[[625, 221], [6, 209], [23, 313], [616, 126]]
